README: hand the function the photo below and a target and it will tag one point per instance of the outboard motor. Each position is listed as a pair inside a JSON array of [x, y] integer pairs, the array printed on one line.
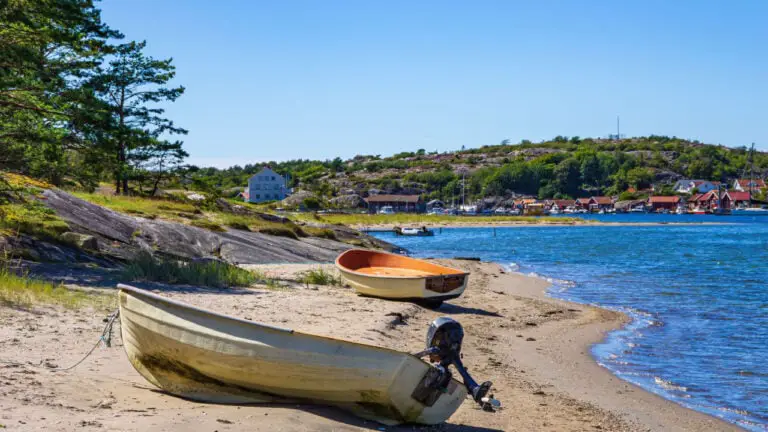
[[444, 339]]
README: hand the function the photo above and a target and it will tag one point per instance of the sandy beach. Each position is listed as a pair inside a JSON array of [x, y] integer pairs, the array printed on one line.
[[535, 350]]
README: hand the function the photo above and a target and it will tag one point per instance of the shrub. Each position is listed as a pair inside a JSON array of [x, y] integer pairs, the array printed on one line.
[[212, 273], [325, 233], [32, 218], [21, 290], [279, 231], [320, 276], [206, 224]]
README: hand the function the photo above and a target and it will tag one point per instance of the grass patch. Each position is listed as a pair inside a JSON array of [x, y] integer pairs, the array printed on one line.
[[31, 218], [18, 181], [189, 213], [257, 224], [142, 206], [325, 233], [210, 274], [25, 291], [320, 276], [413, 218], [206, 224]]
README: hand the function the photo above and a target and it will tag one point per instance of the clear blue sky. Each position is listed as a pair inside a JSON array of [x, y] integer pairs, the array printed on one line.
[[283, 79]]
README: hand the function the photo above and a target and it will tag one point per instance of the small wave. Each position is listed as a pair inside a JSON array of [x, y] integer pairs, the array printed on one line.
[[669, 385], [554, 281], [511, 267]]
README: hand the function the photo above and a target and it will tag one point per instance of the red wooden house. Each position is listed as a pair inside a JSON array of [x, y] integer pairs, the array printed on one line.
[[659, 203]]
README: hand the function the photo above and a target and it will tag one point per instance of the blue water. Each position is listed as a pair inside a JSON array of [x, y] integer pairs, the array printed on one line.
[[698, 296]]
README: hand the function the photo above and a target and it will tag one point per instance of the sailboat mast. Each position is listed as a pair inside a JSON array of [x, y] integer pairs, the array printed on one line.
[[751, 170]]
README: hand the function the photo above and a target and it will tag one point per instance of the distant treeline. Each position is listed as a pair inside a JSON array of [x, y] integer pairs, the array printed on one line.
[[77, 104], [558, 168]]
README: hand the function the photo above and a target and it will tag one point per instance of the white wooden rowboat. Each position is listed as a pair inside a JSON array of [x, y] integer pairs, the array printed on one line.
[[386, 275], [205, 356]]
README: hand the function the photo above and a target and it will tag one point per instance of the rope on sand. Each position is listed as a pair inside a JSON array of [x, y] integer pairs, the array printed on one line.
[[106, 337]]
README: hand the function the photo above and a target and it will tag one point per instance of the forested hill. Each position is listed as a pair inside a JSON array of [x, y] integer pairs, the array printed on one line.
[[561, 167]]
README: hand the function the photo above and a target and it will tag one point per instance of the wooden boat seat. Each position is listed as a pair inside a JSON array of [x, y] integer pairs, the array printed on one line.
[[394, 271]]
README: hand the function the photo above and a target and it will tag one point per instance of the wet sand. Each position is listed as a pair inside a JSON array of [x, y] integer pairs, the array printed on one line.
[[535, 350]]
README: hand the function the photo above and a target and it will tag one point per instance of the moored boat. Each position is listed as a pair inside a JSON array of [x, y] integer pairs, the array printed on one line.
[[414, 232], [385, 275], [205, 356], [750, 211]]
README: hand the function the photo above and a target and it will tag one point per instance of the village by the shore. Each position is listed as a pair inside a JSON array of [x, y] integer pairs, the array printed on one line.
[[687, 197]]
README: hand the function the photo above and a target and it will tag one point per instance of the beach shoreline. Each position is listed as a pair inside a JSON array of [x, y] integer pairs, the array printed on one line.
[[534, 348], [578, 371]]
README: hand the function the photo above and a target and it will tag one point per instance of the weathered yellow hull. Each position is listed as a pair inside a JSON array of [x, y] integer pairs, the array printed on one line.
[[379, 274], [397, 288], [201, 355]]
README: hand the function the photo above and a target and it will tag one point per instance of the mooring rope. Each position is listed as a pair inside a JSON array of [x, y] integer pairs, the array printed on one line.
[[106, 338]]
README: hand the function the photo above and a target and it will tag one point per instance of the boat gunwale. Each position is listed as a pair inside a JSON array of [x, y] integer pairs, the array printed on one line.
[[343, 268], [138, 292]]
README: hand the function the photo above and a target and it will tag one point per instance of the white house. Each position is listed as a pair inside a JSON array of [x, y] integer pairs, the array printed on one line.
[[746, 185], [266, 185], [686, 186]]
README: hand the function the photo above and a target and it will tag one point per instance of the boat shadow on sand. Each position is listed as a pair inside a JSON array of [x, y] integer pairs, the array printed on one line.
[[341, 416], [454, 309]]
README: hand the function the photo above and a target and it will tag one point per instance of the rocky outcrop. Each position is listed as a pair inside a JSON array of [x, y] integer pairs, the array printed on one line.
[[351, 201], [297, 199], [123, 237], [82, 241]]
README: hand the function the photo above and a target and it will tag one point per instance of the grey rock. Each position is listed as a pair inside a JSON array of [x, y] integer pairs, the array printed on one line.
[[83, 241], [121, 236]]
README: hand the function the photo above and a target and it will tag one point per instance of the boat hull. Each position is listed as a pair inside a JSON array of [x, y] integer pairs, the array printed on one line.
[[379, 274], [204, 356]]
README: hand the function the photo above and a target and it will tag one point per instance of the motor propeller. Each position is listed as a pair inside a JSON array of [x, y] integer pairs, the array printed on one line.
[[444, 338]]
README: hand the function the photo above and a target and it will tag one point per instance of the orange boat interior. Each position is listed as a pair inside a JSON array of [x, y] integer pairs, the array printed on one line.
[[388, 265]]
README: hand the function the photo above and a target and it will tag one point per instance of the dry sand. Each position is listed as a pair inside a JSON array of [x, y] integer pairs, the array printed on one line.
[[534, 349]]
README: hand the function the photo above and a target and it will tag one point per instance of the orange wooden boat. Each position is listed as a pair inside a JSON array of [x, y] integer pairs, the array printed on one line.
[[390, 276]]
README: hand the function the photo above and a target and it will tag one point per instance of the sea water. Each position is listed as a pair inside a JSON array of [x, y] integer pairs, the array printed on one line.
[[697, 295]]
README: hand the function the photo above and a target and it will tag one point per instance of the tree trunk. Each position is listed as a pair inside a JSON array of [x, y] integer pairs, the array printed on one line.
[[156, 184], [123, 176], [117, 172]]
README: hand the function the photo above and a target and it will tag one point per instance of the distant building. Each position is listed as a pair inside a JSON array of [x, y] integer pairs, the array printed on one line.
[[582, 203], [435, 204], [739, 198], [709, 201], [561, 205], [266, 185], [746, 185], [657, 203], [597, 203], [399, 203], [687, 186]]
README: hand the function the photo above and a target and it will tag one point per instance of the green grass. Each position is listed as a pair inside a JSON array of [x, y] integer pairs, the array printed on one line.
[[24, 291], [31, 218], [320, 276], [141, 206], [188, 213], [210, 274], [325, 233], [257, 224], [207, 224], [410, 218]]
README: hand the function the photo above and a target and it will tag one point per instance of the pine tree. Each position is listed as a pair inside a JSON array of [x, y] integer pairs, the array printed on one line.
[[129, 86], [47, 50]]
